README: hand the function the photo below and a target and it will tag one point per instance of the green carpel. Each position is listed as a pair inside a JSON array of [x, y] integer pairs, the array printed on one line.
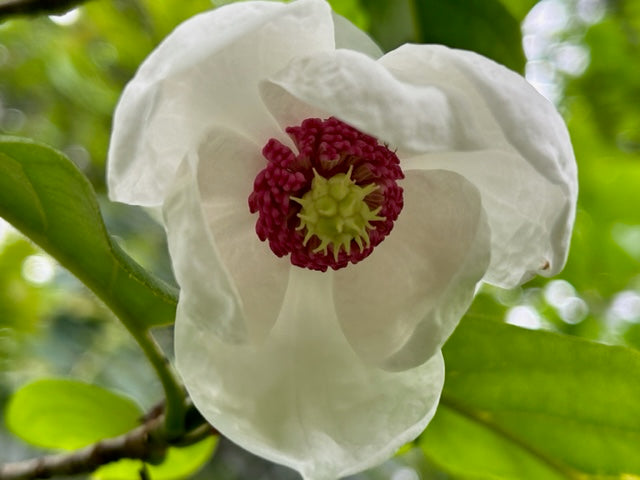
[[334, 210]]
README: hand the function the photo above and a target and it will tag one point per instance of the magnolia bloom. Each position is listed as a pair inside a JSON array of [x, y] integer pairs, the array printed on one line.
[[330, 213]]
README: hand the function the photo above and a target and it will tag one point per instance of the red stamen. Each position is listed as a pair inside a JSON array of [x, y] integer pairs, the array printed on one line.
[[329, 147]]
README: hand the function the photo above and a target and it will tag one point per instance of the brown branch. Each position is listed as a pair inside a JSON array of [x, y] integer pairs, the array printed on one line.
[[147, 442], [141, 443], [36, 7]]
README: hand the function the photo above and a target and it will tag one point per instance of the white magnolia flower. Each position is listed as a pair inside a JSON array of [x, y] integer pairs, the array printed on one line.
[[331, 371]]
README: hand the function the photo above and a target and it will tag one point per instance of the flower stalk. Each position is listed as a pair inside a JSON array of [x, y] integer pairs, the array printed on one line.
[[175, 404]]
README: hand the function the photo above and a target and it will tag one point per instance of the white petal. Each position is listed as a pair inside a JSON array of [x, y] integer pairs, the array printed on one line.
[[526, 172], [398, 306], [352, 38], [205, 74], [228, 277], [359, 91], [303, 398], [530, 218]]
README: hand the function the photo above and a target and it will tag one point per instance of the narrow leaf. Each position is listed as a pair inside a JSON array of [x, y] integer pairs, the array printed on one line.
[[560, 406], [46, 197], [66, 414]]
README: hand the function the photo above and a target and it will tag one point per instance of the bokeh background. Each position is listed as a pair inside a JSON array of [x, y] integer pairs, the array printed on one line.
[[60, 79]]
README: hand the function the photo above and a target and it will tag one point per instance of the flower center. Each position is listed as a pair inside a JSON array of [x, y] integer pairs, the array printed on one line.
[[335, 212], [331, 203]]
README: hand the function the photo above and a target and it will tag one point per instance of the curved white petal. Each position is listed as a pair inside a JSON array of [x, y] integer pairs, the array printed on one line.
[[526, 172], [303, 398], [351, 37], [229, 279], [398, 306], [205, 74], [358, 90], [530, 218]]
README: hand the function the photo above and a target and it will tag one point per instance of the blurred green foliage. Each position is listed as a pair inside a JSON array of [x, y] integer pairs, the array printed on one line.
[[60, 79]]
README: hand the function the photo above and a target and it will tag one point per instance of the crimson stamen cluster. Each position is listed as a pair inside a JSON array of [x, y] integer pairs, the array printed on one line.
[[326, 148]]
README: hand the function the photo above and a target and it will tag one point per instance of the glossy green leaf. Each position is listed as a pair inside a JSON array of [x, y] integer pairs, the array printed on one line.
[[180, 463], [484, 26], [67, 414], [521, 404], [467, 447], [46, 197]]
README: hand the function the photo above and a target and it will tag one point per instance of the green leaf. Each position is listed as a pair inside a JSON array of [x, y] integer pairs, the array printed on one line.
[[390, 23], [484, 26], [179, 463], [46, 197], [519, 8], [68, 414], [351, 9], [521, 404], [466, 447]]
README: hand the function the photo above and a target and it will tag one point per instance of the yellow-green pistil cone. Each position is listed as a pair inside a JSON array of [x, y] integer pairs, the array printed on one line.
[[334, 210]]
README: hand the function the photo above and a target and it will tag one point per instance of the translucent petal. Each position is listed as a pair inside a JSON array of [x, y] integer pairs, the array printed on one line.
[[432, 99], [229, 279], [349, 36], [205, 74], [398, 306], [359, 91], [526, 172], [530, 218], [303, 398]]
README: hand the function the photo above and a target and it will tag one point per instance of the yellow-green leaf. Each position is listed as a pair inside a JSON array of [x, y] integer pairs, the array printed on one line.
[[67, 414], [180, 463], [525, 405]]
